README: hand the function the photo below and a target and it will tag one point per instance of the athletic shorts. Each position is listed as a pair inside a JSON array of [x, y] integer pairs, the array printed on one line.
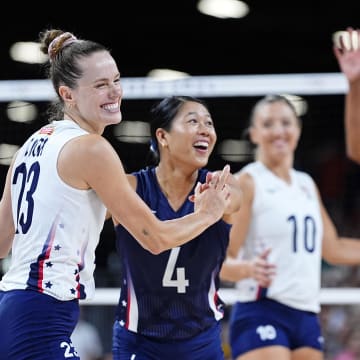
[[133, 346], [266, 322], [36, 326]]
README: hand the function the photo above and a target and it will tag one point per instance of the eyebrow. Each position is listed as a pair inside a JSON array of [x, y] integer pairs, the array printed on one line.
[[196, 113]]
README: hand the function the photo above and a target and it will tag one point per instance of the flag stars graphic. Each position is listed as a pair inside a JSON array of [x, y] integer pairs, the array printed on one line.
[[123, 303], [73, 291], [48, 285], [57, 247], [49, 264]]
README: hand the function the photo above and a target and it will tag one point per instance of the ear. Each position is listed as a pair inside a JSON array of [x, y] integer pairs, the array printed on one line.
[[66, 94], [161, 137], [253, 135]]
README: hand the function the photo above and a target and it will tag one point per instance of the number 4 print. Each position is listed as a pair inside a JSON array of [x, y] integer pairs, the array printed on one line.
[[180, 282]]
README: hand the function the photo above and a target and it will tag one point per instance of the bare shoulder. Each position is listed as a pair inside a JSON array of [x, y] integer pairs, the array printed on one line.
[[85, 158], [244, 179], [90, 144], [246, 183]]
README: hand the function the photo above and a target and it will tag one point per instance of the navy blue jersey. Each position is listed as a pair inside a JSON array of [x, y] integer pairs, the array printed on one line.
[[172, 295]]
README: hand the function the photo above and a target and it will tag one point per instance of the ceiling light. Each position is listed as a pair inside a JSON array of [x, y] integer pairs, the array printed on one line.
[[298, 102], [132, 132], [7, 152], [166, 74], [235, 150], [27, 52], [21, 111], [223, 8]]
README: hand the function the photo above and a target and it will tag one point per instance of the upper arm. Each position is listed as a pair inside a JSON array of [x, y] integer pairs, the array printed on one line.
[[330, 239], [352, 122], [90, 160], [241, 219], [133, 183]]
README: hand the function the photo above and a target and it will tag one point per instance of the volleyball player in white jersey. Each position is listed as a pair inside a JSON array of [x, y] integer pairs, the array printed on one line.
[[347, 52], [281, 211], [55, 198]]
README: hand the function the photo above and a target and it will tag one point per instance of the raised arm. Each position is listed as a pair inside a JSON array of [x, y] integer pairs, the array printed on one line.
[[347, 52]]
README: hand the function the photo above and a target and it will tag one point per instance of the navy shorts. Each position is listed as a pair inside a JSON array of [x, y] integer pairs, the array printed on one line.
[[36, 326], [266, 322], [130, 345]]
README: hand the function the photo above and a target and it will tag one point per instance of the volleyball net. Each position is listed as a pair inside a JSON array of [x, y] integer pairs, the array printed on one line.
[[203, 86]]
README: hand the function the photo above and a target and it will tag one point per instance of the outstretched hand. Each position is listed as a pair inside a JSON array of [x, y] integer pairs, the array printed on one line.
[[347, 52]]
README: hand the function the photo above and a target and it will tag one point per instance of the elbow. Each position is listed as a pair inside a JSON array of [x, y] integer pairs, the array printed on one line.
[[331, 258], [154, 250], [156, 245], [152, 247]]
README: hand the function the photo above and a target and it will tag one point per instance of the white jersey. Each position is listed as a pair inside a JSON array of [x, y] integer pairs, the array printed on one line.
[[287, 219], [57, 226]]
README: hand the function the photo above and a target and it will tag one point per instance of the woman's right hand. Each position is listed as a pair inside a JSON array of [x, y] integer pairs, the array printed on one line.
[[262, 270]]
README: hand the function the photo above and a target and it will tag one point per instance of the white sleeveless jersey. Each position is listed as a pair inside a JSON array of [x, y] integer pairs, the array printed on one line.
[[287, 219], [57, 226]]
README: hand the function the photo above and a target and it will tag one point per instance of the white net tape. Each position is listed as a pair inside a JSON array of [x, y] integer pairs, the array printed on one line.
[[201, 86], [328, 296]]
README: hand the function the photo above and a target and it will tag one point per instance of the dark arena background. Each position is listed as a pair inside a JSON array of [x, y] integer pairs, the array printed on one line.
[[277, 47]]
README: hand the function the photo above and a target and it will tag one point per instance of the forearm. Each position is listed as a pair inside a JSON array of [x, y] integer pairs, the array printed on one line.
[[157, 236], [352, 121], [234, 270], [347, 252], [176, 232]]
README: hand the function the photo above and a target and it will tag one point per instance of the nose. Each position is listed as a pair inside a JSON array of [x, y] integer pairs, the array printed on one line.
[[116, 90], [278, 129], [203, 128]]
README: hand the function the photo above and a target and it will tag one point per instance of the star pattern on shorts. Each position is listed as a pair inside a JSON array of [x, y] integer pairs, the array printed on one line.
[[57, 247], [49, 264], [48, 285], [73, 291]]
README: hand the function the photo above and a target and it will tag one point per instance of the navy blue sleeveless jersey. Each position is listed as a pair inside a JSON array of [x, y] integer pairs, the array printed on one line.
[[173, 295]]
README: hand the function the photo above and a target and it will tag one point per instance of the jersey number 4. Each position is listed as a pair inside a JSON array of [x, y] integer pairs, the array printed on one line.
[[180, 282]]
